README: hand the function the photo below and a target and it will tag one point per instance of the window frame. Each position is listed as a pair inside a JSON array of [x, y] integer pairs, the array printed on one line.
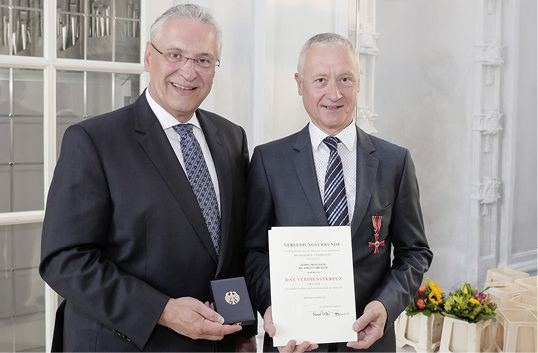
[[50, 65]]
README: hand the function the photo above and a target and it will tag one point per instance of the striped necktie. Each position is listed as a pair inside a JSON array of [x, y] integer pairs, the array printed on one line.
[[200, 180], [335, 201]]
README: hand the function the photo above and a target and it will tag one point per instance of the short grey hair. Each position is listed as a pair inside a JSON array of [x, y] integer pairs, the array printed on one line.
[[323, 40], [192, 11]]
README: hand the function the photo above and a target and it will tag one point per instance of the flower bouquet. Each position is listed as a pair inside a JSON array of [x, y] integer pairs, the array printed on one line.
[[470, 305], [423, 332], [468, 314], [428, 300]]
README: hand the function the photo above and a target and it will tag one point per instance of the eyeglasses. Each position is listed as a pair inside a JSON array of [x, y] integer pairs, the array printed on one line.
[[201, 64]]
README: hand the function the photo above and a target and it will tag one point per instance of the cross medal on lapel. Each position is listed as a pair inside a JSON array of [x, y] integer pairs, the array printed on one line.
[[376, 220]]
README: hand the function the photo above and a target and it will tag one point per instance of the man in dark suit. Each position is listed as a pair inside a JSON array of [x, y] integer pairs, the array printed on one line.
[[147, 207], [378, 198]]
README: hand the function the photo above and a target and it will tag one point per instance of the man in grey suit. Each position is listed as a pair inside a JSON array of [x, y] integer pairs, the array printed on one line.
[[291, 183], [147, 206]]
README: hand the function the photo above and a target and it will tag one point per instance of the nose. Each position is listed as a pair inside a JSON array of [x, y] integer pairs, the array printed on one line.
[[333, 92], [188, 70]]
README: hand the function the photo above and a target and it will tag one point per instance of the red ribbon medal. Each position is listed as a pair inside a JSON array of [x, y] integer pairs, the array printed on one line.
[[376, 220]]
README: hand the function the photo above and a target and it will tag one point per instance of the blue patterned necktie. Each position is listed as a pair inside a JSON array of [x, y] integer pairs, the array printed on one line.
[[200, 180], [335, 201]]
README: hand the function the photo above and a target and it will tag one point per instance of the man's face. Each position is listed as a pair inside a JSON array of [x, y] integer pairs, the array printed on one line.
[[329, 87], [181, 89]]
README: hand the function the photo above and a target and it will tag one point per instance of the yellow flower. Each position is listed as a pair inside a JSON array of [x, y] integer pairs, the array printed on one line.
[[434, 287], [474, 301], [435, 297], [467, 289]]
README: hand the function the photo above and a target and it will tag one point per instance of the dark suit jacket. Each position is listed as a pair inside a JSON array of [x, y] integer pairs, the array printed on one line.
[[123, 231], [283, 191]]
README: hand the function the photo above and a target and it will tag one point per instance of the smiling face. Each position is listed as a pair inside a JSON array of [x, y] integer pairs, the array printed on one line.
[[329, 87], [181, 89]]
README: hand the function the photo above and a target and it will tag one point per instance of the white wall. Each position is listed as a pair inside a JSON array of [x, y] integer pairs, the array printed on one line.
[[424, 86], [520, 152], [427, 98]]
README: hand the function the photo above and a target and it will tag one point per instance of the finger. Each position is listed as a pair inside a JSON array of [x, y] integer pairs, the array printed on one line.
[[363, 341], [208, 313], [305, 347], [361, 323], [312, 347], [214, 331], [268, 325], [361, 335], [269, 328], [290, 347], [353, 345], [360, 344]]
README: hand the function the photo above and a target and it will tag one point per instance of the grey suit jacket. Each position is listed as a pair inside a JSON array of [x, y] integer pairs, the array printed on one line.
[[123, 231], [283, 191]]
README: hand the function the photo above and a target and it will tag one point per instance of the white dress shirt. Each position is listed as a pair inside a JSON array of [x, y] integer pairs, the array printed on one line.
[[167, 122], [348, 154]]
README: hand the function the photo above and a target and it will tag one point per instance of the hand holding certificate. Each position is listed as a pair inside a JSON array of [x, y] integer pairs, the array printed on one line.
[[312, 286], [369, 326]]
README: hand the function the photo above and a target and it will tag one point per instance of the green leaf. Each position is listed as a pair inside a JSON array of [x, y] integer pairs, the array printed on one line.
[[444, 313]]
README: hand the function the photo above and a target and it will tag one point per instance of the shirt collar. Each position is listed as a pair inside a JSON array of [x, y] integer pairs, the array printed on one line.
[[348, 136], [166, 119]]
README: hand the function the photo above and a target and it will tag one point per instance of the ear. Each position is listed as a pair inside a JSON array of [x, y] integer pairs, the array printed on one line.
[[299, 84], [359, 85], [147, 55]]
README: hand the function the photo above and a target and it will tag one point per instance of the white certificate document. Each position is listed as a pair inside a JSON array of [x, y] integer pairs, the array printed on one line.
[[312, 286]]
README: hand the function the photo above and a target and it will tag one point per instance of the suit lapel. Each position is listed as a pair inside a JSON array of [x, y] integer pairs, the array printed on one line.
[[306, 171], [366, 174], [157, 147], [220, 156]]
